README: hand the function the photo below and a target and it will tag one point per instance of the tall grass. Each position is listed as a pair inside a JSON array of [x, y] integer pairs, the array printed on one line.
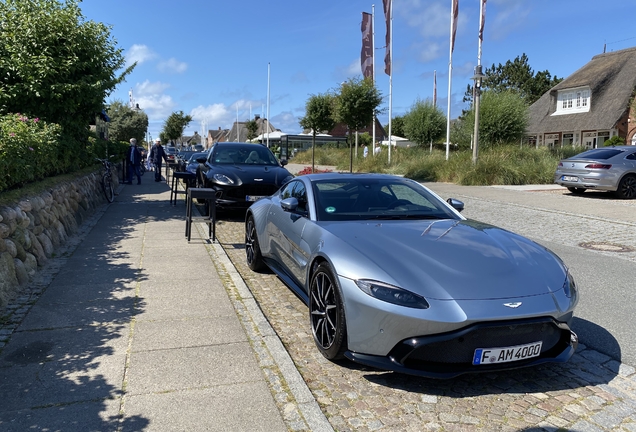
[[504, 165]]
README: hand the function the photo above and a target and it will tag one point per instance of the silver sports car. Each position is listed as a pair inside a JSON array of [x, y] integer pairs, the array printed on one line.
[[397, 279]]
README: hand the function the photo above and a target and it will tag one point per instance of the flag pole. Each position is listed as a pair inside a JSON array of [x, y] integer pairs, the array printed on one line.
[[390, 75], [267, 104], [434, 101], [450, 71], [373, 70]]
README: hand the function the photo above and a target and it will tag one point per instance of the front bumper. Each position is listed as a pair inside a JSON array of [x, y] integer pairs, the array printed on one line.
[[450, 354]]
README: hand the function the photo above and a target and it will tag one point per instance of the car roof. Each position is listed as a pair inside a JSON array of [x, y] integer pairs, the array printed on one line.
[[346, 176]]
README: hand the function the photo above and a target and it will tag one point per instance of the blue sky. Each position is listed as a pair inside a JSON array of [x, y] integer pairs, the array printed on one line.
[[209, 57]]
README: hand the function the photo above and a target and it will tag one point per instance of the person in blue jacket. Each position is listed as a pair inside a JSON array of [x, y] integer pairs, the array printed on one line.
[[133, 160], [157, 156]]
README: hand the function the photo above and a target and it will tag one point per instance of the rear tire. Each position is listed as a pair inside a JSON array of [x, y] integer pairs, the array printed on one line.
[[577, 191], [107, 185], [326, 313], [252, 247], [627, 187]]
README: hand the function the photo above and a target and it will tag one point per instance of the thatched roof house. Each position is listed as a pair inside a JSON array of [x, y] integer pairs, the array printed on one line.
[[590, 106]]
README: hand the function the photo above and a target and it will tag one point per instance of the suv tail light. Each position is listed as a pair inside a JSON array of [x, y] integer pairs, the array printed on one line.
[[598, 166]]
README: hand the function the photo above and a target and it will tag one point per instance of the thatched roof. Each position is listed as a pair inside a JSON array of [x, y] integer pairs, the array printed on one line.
[[611, 78]]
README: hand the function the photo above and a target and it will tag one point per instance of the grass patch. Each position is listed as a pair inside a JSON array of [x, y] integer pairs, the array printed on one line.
[[504, 165]]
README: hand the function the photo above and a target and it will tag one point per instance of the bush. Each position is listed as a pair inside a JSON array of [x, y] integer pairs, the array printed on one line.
[[614, 141], [29, 150]]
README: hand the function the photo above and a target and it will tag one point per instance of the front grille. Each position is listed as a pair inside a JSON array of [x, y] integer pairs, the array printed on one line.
[[250, 189], [457, 349]]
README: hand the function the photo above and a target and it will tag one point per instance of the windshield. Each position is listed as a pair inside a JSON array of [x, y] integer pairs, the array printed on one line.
[[380, 199], [241, 154], [195, 156]]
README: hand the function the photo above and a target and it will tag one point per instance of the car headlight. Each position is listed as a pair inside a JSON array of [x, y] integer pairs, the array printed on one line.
[[223, 179], [569, 286], [392, 294]]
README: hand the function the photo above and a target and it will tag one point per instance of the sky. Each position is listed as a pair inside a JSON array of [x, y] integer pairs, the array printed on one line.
[[212, 58]]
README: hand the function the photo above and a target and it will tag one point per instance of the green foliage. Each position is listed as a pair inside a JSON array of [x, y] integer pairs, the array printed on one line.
[[174, 126], [614, 141], [252, 127], [516, 76], [319, 113], [397, 127], [357, 103], [29, 150], [503, 117], [424, 123], [55, 65], [126, 123]]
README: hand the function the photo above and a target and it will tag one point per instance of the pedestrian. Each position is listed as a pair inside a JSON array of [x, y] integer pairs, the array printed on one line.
[[133, 159], [365, 152], [157, 155]]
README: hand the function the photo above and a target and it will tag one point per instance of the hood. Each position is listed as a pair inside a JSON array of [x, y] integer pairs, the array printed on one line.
[[449, 259], [266, 174]]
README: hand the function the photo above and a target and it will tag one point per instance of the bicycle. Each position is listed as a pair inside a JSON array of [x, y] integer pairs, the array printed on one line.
[[107, 180]]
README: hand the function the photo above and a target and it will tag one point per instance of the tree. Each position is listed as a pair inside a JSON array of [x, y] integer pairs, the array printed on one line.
[[319, 117], [356, 104], [424, 123], [397, 126], [516, 76], [503, 117], [174, 126], [55, 65], [252, 127], [126, 123]]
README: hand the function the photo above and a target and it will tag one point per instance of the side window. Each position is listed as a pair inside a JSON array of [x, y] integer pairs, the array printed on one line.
[[631, 156], [300, 193]]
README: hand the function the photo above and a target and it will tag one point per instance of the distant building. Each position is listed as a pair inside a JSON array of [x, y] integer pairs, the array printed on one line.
[[590, 106]]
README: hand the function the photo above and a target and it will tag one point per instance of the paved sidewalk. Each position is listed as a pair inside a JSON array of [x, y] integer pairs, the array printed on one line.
[[135, 329]]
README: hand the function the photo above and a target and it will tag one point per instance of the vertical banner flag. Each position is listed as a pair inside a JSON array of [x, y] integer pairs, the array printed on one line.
[[434, 89], [454, 25], [387, 16], [482, 21], [366, 56]]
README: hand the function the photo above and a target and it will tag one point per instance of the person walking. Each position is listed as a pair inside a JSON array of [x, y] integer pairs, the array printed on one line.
[[157, 155], [365, 152], [133, 159]]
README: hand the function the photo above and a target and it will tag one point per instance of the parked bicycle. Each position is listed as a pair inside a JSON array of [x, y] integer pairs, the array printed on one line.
[[107, 180]]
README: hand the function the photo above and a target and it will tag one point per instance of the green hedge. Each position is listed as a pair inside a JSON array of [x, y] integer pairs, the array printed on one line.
[[32, 150]]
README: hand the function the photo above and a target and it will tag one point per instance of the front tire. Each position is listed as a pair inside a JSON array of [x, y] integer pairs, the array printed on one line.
[[627, 187], [326, 313], [577, 191], [252, 247], [109, 191]]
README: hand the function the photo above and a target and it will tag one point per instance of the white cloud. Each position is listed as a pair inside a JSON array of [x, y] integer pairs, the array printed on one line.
[[510, 16], [172, 66], [152, 99], [139, 54], [432, 19]]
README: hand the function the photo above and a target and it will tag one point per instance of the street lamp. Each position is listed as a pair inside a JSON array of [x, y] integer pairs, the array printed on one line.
[[477, 78]]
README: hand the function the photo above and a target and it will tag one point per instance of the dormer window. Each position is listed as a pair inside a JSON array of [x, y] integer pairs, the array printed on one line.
[[573, 101]]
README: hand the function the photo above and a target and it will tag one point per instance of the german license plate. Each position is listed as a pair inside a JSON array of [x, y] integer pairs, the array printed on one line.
[[506, 354], [253, 197], [570, 178]]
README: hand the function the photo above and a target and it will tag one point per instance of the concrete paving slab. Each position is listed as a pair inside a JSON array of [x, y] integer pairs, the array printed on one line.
[[238, 407], [104, 274], [100, 415], [49, 316], [64, 345], [190, 368], [187, 332], [61, 292], [180, 306], [210, 289], [56, 383]]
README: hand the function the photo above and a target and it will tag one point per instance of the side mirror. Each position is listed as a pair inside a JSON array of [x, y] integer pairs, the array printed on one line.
[[202, 159], [284, 162], [456, 204], [289, 204]]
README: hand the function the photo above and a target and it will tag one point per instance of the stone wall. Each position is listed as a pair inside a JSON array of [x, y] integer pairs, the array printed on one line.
[[35, 227]]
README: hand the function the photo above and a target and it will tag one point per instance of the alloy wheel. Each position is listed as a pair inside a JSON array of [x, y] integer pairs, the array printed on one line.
[[324, 313]]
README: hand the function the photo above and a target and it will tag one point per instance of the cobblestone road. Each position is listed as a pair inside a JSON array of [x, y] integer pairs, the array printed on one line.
[[592, 392]]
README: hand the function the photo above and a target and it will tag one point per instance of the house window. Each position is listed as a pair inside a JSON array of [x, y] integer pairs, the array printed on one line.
[[573, 101]]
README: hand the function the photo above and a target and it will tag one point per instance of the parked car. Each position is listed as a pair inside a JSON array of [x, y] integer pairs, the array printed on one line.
[[182, 157], [396, 278], [198, 147], [193, 163], [171, 154], [241, 173], [607, 169]]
